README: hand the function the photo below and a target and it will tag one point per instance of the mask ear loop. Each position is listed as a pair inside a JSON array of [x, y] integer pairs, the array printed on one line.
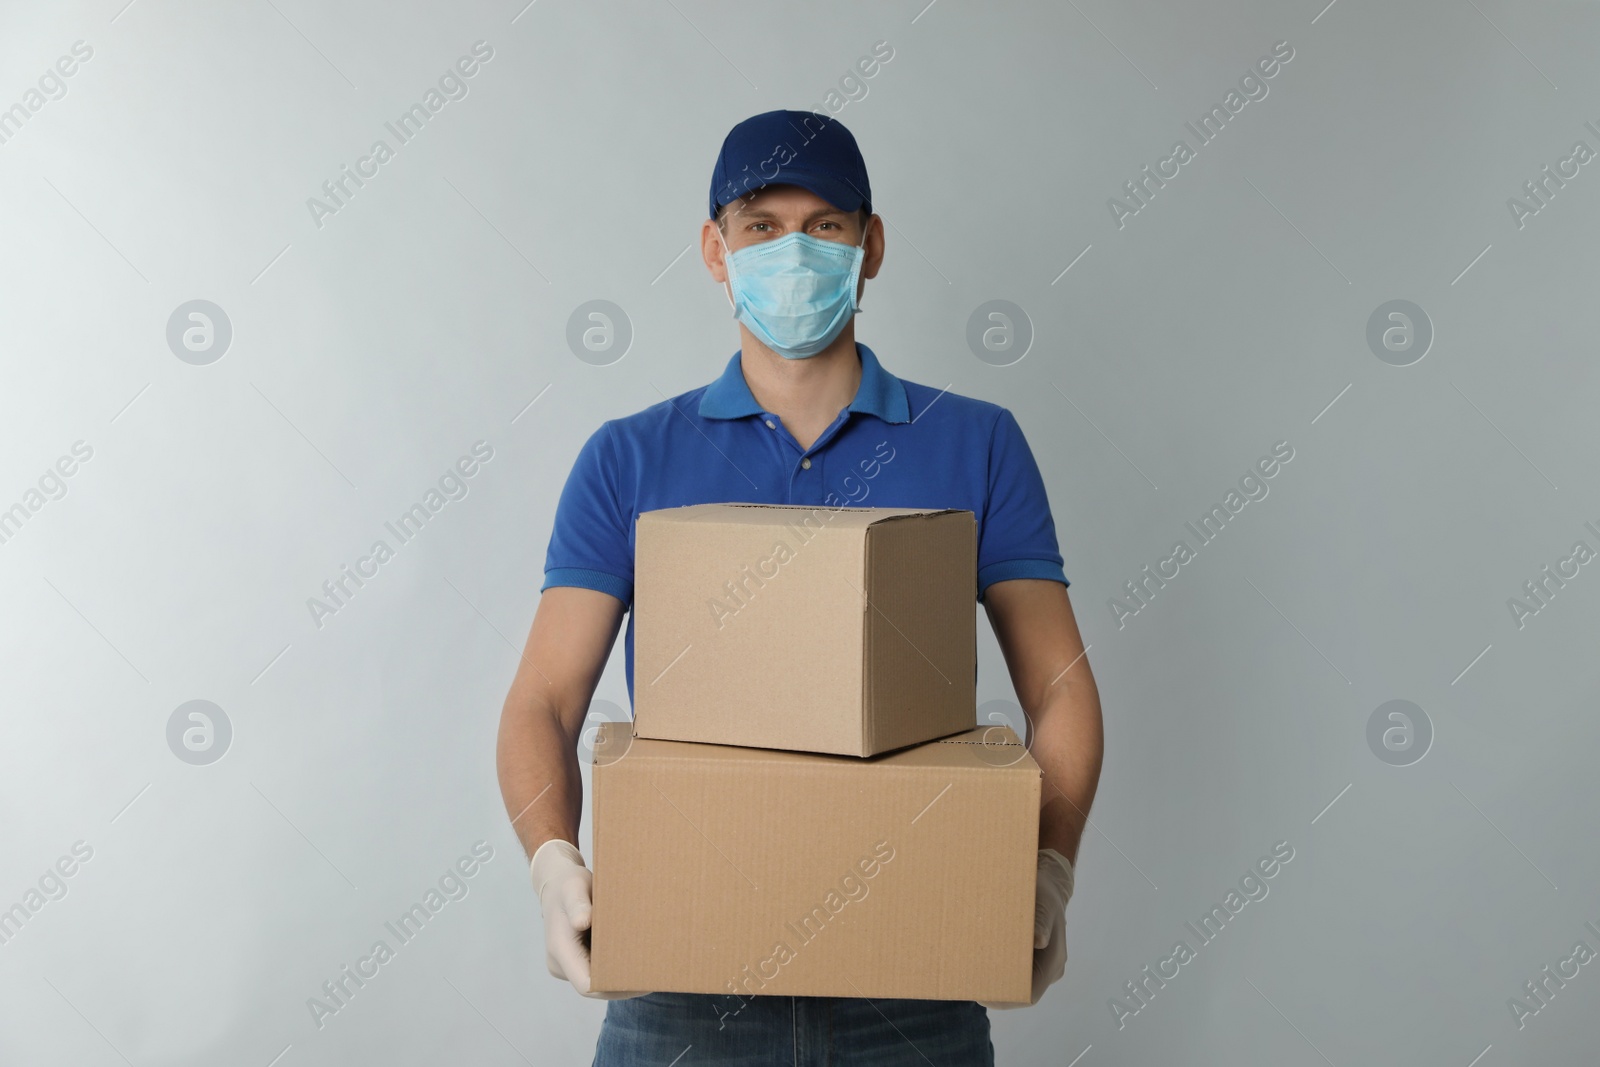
[[856, 274], [727, 268]]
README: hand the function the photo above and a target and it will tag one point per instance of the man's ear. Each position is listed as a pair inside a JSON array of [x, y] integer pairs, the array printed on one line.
[[712, 251], [872, 253]]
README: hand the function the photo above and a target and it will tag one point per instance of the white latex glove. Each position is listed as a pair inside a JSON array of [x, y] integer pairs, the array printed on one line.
[[1051, 894], [564, 886]]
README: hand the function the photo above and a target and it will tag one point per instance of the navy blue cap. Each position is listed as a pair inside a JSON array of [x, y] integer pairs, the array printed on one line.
[[801, 148]]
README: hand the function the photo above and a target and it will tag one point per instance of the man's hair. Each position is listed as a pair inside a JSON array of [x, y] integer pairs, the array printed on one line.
[[862, 217]]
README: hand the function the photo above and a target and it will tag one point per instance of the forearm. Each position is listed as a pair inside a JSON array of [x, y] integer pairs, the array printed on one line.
[[1068, 745], [572, 633], [1045, 653], [540, 780]]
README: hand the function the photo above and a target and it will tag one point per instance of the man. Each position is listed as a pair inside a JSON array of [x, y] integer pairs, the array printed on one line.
[[802, 414]]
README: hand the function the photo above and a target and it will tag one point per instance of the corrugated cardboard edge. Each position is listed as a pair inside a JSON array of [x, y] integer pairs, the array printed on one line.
[[867, 723]]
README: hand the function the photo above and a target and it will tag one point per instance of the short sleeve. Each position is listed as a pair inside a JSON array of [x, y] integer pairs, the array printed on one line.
[[1017, 536], [590, 540]]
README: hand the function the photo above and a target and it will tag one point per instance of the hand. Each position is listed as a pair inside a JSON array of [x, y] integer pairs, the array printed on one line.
[[564, 886], [1050, 898]]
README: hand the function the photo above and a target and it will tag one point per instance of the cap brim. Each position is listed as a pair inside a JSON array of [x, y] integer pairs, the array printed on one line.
[[840, 194]]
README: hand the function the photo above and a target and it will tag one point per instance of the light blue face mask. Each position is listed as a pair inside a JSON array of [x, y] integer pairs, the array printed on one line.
[[796, 293]]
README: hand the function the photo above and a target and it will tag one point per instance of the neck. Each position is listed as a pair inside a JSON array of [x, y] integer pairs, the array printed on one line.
[[807, 394]]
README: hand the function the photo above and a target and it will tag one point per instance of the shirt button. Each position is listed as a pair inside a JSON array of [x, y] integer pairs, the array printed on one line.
[[770, 426], [806, 463]]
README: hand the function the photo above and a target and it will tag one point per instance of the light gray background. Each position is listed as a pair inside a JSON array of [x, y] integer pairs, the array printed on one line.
[[369, 354]]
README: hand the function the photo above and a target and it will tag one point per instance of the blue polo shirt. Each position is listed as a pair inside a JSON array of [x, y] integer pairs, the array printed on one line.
[[899, 444]]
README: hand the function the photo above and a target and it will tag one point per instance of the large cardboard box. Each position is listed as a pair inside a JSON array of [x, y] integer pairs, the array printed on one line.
[[752, 872], [846, 630]]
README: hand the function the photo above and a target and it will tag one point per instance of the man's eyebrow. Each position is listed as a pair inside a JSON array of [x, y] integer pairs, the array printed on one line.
[[767, 215]]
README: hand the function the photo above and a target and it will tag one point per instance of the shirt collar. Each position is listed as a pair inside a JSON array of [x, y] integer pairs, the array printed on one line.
[[880, 393]]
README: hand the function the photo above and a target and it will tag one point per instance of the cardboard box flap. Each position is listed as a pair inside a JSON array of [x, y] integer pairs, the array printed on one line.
[[846, 518], [907, 513], [985, 747]]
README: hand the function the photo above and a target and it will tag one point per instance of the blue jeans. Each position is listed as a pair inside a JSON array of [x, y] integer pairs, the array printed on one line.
[[698, 1029]]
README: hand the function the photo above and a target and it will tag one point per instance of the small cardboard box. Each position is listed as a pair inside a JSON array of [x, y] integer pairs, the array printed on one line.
[[752, 872], [843, 630]]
